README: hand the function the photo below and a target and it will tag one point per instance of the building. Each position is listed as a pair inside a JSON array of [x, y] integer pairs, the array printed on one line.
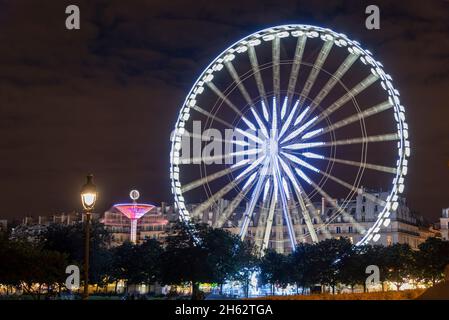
[[31, 227], [360, 214], [444, 224]]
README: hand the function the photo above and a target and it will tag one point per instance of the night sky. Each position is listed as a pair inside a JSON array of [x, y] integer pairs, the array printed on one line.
[[104, 99]]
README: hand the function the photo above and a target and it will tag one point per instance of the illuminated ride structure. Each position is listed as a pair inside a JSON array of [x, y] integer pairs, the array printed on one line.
[[134, 211], [315, 116]]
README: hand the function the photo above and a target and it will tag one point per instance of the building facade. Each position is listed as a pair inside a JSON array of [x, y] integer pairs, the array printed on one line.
[[444, 224], [359, 215]]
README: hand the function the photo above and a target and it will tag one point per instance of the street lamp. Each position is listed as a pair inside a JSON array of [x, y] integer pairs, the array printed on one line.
[[88, 199]]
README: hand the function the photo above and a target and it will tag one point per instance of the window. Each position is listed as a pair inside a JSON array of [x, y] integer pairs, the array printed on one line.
[[364, 199], [363, 209], [350, 229], [338, 230], [389, 241], [376, 208], [363, 218]]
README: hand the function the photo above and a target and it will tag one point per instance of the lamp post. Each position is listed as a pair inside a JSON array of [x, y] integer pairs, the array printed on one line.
[[88, 199]]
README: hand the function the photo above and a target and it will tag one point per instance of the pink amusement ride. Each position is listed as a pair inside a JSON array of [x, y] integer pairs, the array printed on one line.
[[134, 211]]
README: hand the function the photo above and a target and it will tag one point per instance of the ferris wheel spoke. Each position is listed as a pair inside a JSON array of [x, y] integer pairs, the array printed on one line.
[[239, 83], [360, 87], [205, 137], [286, 124], [298, 191], [284, 202], [211, 116], [254, 197], [332, 201], [300, 45], [219, 158], [269, 223], [215, 197], [299, 130], [250, 136], [221, 95], [342, 69], [255, 66], [356, 117], [354, 163], [223, 191], [251, 167], [260, 123], [276, 51], [197, 183], [337, 180], [229, 210], [378, 138], [326, 48]]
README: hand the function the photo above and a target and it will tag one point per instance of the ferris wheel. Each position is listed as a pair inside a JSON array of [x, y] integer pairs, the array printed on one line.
[[314, 118]]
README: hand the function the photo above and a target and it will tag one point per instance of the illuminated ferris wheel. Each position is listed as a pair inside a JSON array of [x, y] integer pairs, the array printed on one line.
[[314, 118]]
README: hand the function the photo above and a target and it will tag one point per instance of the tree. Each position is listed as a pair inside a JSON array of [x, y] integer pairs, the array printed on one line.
[[29, 266], [274, 269], [331, 253], [149, 253], [431, 259], [69, 239], [399, 263], [247, 263], [185, 258], [353, 266], [204, 254]]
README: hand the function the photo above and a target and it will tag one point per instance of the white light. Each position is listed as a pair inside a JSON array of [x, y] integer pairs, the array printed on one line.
[[250, 136], [275, 120], [285, 186], [260, 123], [284, 108], [289, 120], [300, 129], [254, 42], [300, 162], [250, 168], [312, 155], [387, 222], [376, 237], [303, 176], [240, 163], [208, 78], [311, 134], [249, 124], [266, 189], [251, 179], [241, 49], [265, 111], [301, 116], [282, 34], [394, 206], [268, 37], [88, 199], [298, 146]]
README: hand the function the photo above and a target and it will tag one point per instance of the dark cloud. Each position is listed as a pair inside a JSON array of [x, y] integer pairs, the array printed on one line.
[[104, 99]]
